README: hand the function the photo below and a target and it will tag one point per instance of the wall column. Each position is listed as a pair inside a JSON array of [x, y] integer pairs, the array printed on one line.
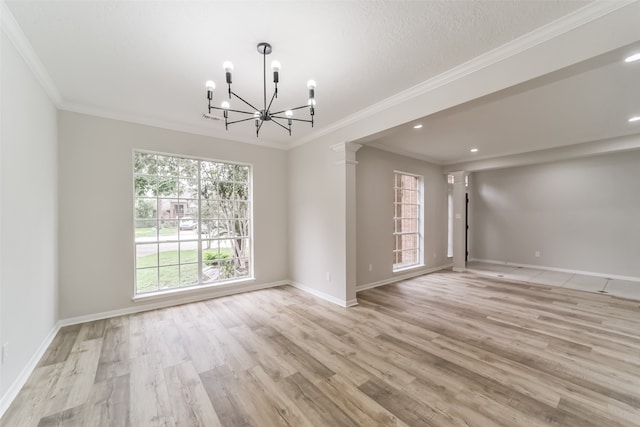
[[459, 221], [346, 160]]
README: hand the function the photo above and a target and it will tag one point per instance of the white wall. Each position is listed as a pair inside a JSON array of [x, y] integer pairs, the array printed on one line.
[[580, 214], [28, 224], [317, 226], [96, 207], [374, 183]]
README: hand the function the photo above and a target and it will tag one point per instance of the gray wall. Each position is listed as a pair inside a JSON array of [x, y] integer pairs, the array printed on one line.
[[581, 214], [374, 183], [317, 220], [28, 221], [96, 207]]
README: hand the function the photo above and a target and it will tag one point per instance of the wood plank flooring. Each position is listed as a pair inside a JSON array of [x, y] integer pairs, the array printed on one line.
[[444, 349]]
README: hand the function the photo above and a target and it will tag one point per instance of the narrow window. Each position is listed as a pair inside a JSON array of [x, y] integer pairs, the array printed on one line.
[[192, 222], [407, 234]]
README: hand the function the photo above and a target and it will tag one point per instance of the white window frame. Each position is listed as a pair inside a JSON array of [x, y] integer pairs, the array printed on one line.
[[200, 284], [420, 222]]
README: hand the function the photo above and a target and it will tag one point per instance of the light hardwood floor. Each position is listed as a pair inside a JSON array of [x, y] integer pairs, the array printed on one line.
[[444, 349]]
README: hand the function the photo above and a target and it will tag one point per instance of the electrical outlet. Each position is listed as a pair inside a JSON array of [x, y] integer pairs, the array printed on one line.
[[328, 276], [5, 352], [537, 254], [370, 267]]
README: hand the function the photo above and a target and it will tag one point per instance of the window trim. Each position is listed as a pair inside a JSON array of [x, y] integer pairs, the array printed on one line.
[[250, 277], [420, 257], [190, 289]]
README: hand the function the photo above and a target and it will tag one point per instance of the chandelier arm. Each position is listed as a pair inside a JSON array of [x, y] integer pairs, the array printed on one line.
[[279, 124], [241, 120], [233, 111], [290, 109], [240, 98], [272, 98], [287, 118]]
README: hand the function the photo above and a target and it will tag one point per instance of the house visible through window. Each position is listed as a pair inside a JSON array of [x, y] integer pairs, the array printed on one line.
[[407, 251], [192, 222]]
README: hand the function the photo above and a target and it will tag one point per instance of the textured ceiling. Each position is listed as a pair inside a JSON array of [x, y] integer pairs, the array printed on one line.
[[148, 61]]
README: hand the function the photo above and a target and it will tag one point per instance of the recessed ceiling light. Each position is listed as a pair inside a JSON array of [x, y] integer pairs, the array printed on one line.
[[632, 58], [417, 126], [474, 150], [634, 119]]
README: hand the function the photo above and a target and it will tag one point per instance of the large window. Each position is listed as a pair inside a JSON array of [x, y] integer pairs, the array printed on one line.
[[407, 233], [192, 222]]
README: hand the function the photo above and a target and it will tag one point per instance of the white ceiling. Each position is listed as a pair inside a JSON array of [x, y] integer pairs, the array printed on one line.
[[147, 61]]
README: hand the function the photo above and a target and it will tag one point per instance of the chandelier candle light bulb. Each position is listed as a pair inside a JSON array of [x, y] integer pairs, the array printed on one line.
[[210, 87], [228, 69], [311, 85], [265, 114], [275, 66], [225, 106]]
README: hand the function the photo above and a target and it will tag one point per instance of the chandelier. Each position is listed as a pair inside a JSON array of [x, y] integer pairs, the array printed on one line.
[[264, 114]]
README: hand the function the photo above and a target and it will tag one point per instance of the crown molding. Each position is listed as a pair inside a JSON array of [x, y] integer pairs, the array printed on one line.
[[346, 146], [20, 41], [563, 25], [545, 33], [164, 124]]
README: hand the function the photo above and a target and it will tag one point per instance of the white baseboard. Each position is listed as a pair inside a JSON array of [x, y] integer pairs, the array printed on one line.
[[405, 276], [138, 308], [324, 296], [561, 270], [22, 378]]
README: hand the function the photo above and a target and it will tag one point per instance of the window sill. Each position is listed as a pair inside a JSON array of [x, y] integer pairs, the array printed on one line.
[[408, 268], [191, 289]]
